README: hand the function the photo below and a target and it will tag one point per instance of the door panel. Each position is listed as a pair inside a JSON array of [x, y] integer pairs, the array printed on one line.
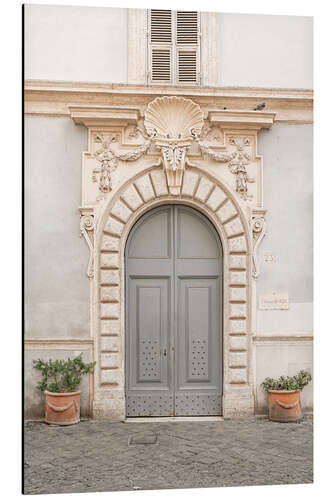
[[173, 317], [149, 285], [152, 237], [195, 238], [198, 351]]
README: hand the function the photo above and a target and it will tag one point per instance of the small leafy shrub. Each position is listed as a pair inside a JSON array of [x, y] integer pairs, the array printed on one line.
[[61, 375], [283, 383]]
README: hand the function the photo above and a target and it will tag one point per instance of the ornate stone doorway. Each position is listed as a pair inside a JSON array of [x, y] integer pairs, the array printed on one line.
[[205, 160]]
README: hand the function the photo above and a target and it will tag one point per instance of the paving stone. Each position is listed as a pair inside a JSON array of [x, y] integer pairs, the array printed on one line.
[[97, 456]]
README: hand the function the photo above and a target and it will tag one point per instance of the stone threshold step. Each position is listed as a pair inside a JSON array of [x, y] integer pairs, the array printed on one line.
[[173, 419]]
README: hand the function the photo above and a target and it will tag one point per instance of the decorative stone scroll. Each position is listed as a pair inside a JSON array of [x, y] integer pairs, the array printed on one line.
[[87, 226], [258, 225]]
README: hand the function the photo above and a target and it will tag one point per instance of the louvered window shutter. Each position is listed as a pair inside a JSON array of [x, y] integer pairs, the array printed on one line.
[[188, 49], [174, 48], [160, 46]]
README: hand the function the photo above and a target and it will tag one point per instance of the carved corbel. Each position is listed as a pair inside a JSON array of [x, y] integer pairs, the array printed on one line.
[[258, 225], [87, 226]]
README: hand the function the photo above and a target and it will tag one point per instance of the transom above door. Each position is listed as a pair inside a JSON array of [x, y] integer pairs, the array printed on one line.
[[173, 315]]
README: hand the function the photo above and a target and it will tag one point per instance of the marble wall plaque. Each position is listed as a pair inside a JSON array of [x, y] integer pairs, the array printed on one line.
[[275, 300]]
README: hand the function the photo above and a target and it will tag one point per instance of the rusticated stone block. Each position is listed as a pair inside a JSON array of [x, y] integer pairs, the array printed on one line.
[[237, 277], [110, 243], [237, 310], [237, 326], [110, 260], [113, 377], [110, 293], [238, 342], [109, 276], [159, 181], [205, 186], [110, 360], [237, 293], [113, 226], [237, 409], [110, 310], [114, 409], [216, 198], [237, 244], [189, 183], [110, 326], [234, 227], [145, 188], [132, 198], [110, 344], [238, 375], [237, 261], [227, 211], [121, 210], [237, 359]]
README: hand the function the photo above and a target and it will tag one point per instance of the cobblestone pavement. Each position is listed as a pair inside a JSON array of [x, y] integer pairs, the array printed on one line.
[[106, 456]]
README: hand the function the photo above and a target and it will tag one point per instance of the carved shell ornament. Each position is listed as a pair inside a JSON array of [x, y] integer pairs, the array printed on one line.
[[173, 118], [172, 123]]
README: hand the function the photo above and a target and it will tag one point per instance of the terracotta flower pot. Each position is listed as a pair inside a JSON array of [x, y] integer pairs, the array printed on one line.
[[284, 406], [62, 408]]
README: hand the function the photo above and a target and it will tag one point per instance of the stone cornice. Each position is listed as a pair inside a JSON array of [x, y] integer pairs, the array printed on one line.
[[53, 98], [241, 119], [91, 116]]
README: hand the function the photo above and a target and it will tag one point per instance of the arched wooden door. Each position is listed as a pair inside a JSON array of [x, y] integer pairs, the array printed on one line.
[[173, 315]]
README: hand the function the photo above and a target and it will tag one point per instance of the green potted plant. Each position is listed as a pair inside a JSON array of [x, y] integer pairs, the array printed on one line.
[[60, 381], [284, 401]]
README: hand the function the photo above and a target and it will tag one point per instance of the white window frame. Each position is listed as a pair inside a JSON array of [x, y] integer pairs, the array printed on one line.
[[138, 56]]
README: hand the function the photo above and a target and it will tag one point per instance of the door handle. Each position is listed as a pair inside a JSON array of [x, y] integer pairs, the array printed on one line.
[[164, 351]]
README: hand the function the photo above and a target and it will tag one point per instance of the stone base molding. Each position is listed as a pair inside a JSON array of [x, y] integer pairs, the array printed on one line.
[[173, 153]]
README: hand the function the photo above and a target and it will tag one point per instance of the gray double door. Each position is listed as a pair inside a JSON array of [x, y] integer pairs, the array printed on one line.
[[173, 315]]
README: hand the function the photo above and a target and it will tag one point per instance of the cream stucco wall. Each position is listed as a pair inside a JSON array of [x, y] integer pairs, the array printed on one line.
[[288, 199], [91, 44], [75, 43], [57, 290], [266, 51], [285, 257]]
